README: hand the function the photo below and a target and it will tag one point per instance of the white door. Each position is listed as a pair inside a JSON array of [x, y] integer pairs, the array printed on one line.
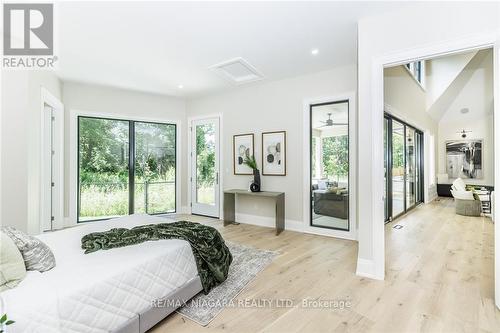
[[47, 160], [52, 169], [205, 167]]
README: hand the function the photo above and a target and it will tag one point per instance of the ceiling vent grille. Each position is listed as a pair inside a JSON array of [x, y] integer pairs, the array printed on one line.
[[237, 71]]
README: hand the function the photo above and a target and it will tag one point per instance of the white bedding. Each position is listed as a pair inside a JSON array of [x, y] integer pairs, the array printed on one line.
[[100, 291]]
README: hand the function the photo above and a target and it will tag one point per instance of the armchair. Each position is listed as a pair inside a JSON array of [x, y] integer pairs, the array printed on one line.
[[465, 202]]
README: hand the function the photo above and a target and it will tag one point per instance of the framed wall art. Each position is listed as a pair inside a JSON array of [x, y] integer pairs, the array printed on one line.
[[274, 153], [243, 147]]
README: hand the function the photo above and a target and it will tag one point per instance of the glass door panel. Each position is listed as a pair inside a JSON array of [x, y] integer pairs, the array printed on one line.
[[410, 169], [398, 168], [205, 167], [155, 174], [103, 168]]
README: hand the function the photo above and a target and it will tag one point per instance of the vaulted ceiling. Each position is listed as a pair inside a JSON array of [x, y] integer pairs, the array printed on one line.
[[470, 87], [168, 47]]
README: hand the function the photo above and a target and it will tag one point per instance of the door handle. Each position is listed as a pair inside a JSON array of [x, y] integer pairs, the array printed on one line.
[[217, 178]]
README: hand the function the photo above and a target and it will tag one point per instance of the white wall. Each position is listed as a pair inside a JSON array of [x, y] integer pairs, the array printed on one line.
[[405, 99], [477, 96], [440, 73], [379, 40], [277, 105], [482, 128], [121, 104], [20, 146]]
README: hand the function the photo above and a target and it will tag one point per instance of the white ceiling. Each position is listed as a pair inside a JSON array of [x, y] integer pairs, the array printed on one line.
[[339, 113], [157, 46]]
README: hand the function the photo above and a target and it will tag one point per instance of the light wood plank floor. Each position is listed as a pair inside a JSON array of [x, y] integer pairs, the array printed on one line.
[[439, 278]]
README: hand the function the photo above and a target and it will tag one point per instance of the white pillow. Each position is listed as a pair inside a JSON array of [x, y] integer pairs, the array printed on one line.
[[322, 184], [463, 195], [12, 269], [36, 254], [459, 184]]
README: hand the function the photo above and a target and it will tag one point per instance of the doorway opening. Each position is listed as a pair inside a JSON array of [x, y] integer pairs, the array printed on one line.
[[448, 100]]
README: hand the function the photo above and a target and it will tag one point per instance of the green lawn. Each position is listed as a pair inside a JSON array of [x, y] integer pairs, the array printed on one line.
[[110, 201]]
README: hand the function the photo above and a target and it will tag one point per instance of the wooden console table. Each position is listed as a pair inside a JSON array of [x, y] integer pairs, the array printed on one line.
[[230, 202]]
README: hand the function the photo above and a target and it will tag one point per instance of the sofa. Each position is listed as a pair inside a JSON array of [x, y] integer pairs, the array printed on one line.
[[329, 202]]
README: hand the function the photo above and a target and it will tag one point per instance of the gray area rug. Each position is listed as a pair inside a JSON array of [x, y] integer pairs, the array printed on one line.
[[247, 263]]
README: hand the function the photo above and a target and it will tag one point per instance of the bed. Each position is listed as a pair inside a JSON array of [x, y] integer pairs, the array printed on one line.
[[121, 290]]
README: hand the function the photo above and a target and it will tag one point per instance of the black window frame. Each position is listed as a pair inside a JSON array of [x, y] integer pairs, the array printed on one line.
[[131, 165]]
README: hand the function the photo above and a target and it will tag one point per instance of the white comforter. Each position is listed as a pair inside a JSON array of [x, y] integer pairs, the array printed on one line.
[[100, 291]]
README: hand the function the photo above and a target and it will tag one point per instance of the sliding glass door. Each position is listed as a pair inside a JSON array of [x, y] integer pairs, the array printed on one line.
[[154, 171], [125, 167], [403, 164], [103, 158]]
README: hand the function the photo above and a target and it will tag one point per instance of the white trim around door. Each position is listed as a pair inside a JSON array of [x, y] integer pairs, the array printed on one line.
[[375, 267]]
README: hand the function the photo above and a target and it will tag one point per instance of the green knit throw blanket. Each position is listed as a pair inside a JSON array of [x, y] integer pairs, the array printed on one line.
[[212, 256]]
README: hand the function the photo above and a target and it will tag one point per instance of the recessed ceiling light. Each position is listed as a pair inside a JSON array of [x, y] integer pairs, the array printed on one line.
[[314, 51], [180, 86]]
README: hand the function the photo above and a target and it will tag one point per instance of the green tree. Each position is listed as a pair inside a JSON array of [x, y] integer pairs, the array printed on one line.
[[336, 156], [154, 151], [205, 151], [103, 149]]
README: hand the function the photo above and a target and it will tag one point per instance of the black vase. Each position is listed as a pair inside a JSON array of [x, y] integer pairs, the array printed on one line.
[[255, 186]]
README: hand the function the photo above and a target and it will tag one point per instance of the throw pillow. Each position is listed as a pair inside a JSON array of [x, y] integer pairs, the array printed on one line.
[[36, 254], [12, 269]]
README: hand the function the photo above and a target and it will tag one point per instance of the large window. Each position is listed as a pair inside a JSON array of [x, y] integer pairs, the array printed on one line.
[[125, 167], [329, 140]]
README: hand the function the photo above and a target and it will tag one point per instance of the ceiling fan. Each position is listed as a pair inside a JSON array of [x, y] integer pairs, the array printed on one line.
[[329, 121]]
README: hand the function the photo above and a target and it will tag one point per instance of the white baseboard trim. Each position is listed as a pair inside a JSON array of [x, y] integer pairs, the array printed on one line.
[[265, 221], [366, 268], [292, 225]]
